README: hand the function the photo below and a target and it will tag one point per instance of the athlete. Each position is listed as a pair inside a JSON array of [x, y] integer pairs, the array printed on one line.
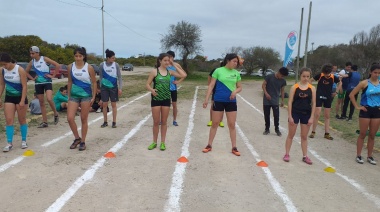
[[221, 124], [369, 115], [160, 102], [325, 83], [301, 108], [13, 80], [43, 82], [227, 82], [173, 86], [110, 86], [81, 89]]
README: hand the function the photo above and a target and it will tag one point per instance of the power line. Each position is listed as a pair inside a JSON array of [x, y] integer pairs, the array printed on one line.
[[70, 3], [88, 4]]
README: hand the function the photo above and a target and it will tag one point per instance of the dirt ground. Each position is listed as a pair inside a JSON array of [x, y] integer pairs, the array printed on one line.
[[57, 178]]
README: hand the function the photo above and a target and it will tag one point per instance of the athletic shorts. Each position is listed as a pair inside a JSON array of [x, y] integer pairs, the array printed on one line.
[[109, 94], [323, 101], [173, 95], [341, 95], [301, 117], [14, 100], [80, 99], [372, 113], [224, 106], [163, 103], [41, 88]]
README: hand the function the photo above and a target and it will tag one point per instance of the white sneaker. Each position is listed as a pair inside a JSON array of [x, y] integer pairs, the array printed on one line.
[[99, 110], [371, 160], [8, 147], [24, 145], [359, 159]]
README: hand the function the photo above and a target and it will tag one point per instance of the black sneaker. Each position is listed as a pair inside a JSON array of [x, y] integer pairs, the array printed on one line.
[[75, 143], [56, 119], [278, 133], [342, 118], [266, 132], [349, 119], [105, 124], [114, 125], [337, 116], [82, 146], [43, 125]]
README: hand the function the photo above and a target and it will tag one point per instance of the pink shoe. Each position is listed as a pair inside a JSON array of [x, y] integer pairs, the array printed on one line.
[[286, 158], [307, 160]]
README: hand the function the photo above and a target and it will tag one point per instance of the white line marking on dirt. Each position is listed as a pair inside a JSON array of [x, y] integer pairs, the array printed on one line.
[[179, 173], [55, 140], [272, 180], [89, 174], [350, 181]]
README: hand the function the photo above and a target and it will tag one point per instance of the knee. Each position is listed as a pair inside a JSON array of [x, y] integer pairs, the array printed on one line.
[[231, 126]]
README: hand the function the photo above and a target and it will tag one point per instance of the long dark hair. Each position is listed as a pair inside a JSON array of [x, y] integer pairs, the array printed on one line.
[[160, 57], [6, 58], [229, 57], [82, 51]]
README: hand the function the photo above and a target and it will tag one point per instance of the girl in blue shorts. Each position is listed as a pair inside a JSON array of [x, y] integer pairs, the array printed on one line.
[[301, 108]]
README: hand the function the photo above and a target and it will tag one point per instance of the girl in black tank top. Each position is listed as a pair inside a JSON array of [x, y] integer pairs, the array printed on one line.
[[301, 108]]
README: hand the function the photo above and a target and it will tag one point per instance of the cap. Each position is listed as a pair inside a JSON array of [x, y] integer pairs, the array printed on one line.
[[35, 49]]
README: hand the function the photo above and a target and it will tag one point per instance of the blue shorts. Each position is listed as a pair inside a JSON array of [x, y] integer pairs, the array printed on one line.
[[80, 99]]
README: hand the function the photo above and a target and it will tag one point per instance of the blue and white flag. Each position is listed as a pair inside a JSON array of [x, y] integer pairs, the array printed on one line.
[[291, 41]]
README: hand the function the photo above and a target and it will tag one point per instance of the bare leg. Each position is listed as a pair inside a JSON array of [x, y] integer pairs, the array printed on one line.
[[72, 108], [49, 99], [114, 111], [164, 122], [327, 119], [156, 114], [216, 117], [317, 114], [304, 131], [289, 139], [373, 128], [175, 111], [231, 121]]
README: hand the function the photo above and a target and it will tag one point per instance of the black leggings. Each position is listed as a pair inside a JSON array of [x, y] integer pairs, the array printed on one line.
[[345, 104], [276, 116]]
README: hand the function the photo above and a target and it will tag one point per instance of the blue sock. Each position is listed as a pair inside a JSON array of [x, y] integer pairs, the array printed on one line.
[[24, 131], [9, 131]]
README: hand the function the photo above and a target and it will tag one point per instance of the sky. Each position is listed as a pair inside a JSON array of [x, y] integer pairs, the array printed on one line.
[[136, 27]]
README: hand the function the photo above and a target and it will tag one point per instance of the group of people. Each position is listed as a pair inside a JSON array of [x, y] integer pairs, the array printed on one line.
[[305, 104]]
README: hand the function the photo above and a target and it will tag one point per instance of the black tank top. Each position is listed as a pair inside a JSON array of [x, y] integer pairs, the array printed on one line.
[[302, 100]]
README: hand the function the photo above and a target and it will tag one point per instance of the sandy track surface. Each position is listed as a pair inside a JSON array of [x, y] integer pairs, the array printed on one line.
[[57, 178]]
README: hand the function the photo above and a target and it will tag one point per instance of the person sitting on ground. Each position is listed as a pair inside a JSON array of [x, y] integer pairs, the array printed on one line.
[[34, 106], [97, 106], [60, 99]]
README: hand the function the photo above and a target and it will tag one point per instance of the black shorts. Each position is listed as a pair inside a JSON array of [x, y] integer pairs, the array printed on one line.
[[14, 100], [41, 88], [109, 94], [173, 95], [372, 113], [301, 117], [224, 106], [164, 103], [323, 101]]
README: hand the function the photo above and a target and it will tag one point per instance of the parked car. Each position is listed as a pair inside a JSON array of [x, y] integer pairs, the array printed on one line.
[[127, 67], [96, 68], [24, 65], [243, 72], [62, 72], [291, 73], [259, 73]]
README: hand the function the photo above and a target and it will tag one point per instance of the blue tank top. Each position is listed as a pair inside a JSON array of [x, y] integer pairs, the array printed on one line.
[[354, 80], [173, 87], [371, 95]]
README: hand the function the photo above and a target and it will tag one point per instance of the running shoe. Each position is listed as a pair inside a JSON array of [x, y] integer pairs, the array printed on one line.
[[337, 116], [56, 119], [359, 159], [162, 146], [82, 146], [307, 160], [312, 135], [371, 160], [175, 123], [8, 147], [152, 146], [235, 151], [221, 124], [209, 123], [75, 143], [342, 118], [349, 119], [266, 132], [114, 125], [278, 133], [208, 148], [328, 136], [24, 145], [105, 124], [99, 110], [286, 158], [43, 125]]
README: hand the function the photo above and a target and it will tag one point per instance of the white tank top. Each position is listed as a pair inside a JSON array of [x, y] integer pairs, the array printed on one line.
[[81, 81]]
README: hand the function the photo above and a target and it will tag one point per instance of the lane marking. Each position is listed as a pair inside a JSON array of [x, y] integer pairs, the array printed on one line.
[[89, 174], [272, 180], [176, 187], [352, 182], [55, 140]]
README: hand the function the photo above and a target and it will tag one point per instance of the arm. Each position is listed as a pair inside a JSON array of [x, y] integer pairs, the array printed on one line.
[[282, 96], [23, 77], [180, 73], [93, 82], [27, 70], [356, 90], [2, 86], [313, 106], [119, 79], [69, 81], [57, 67], [209, 91], [236, 91], [264, 86], [290, 104], [152, 75]]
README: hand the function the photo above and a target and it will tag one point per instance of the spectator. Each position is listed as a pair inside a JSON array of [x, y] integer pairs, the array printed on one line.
[[354, 79], [61, 99], [342, 93], [34, 106]]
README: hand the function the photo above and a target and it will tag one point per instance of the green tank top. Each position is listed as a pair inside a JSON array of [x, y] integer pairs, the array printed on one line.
[[162, 86]]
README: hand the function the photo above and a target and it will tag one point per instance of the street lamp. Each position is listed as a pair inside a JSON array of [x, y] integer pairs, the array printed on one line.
[[312, 47]]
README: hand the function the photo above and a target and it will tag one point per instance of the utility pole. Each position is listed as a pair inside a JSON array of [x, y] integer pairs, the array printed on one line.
[[299, 47], [307, 36], [312, 47], [103, 26]]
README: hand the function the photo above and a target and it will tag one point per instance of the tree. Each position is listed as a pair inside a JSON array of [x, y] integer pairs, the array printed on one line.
[[184, 37], [258, 56]]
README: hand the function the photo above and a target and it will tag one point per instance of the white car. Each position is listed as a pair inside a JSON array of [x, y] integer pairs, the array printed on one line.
[[259, 73]]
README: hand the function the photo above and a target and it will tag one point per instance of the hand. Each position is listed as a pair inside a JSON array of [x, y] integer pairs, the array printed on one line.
[[282, 104], [92, 101], [362, 108], [233, 96], [311, 121], [205, 104], [22, 103], [268, 97], [291, 121], [175, 82], [119, 92], [154, 92]]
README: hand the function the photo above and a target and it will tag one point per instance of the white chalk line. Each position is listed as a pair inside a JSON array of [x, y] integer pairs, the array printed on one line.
[[352, 182]]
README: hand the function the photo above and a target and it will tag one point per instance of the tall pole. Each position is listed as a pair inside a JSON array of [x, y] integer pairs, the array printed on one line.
[[299, 47], [103, 25], [307, 36]]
